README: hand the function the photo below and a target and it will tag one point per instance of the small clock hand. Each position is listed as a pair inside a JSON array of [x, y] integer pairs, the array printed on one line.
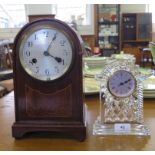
[[122, 83], [46, 53]]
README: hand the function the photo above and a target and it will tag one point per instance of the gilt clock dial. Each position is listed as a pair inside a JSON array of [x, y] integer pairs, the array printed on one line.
[[46, 53], [122, 83]]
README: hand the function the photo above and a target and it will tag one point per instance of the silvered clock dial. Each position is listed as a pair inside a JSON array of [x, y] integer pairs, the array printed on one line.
[[46, 53]]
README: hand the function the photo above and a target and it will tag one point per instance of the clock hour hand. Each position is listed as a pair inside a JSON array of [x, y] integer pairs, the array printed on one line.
[[46, 53], [122, 83]]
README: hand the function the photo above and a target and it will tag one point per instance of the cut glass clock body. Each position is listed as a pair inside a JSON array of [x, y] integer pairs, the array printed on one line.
[[121, 99]]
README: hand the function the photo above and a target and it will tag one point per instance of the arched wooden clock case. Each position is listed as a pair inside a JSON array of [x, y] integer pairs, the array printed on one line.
[[55, 105]]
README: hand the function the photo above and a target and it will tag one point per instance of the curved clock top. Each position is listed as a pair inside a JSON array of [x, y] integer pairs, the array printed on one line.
[[112, 65], [119, 77], [46, 49]]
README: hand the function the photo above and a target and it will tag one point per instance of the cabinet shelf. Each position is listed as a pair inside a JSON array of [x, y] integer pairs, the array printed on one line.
[[139, 35], [142, 27], [108, 36], [130, 41], [109, 23], [109, 49]]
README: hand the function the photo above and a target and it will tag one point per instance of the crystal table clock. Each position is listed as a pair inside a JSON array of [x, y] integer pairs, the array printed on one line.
[[121, 99]]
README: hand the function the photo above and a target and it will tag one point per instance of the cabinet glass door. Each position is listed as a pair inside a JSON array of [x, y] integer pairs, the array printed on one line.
[[144, 26]]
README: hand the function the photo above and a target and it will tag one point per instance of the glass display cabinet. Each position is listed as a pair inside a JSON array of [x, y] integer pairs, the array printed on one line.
[[108, 28], [136, 33]]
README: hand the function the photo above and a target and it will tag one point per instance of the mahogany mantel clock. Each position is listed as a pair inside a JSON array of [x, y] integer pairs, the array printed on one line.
[[48, 80]]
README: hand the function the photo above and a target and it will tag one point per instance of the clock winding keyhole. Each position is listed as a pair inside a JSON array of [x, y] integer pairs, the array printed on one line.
[[33, 61]]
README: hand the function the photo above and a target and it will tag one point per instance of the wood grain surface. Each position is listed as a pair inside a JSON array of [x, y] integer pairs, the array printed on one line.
[[55, 141]]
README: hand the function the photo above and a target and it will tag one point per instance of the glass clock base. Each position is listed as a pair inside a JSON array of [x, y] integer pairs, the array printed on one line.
[[124, 128]]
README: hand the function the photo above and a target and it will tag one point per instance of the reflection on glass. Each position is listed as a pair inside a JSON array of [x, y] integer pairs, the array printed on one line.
[[12, 15], [66, 12], [152, 47], [122, 143], [144, 26]]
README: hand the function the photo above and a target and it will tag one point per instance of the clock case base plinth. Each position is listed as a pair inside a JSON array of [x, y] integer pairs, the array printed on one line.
[[101, 129], [76, 131]]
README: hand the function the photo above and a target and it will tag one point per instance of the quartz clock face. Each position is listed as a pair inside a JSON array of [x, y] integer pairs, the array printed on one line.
[[46, 53], [122, 83]]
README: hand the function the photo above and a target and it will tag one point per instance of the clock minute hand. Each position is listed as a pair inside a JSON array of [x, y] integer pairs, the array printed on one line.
[[55, 35], [127, 81], [46, 53]]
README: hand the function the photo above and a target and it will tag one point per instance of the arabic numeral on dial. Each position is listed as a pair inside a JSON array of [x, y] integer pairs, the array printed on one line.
[[63, 62], [62, 42], [113, 87], [37, 69], [56, 69], [46, 34], [29, 43], [66, 53], [47, 72], [27, 53], [35, 37]]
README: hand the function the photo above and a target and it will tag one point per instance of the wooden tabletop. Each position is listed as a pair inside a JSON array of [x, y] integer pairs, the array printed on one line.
[[49, 141]]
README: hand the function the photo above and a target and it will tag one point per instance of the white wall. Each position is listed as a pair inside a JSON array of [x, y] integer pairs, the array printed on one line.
[[153, 32], [8, 33], [133, 8], [33, 9], [38, 9], [88, 29]]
